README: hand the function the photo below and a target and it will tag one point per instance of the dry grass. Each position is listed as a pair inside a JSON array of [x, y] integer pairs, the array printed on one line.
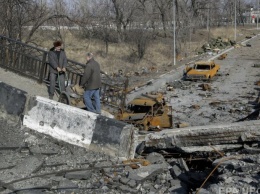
[[158, 54], [224, 32], [229, 32]]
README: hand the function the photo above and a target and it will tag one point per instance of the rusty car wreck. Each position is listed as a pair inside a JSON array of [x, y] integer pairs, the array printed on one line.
[[147, 112], [201, 70]]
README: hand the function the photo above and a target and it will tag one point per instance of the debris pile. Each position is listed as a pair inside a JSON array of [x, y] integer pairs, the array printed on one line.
[[217, 43], [37, 163], [237, 174]]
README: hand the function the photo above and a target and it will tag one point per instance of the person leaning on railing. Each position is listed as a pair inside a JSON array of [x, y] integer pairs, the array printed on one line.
[[58, 63]]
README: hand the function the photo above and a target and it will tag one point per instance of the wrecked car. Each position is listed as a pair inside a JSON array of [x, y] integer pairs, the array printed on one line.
[[147, 112], [201, 70]]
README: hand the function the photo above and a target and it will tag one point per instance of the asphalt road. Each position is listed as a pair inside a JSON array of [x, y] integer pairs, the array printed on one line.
[[233, 95]]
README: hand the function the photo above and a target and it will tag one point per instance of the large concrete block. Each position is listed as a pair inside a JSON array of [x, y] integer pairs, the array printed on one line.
[[114, 136], [201, 138], [80, 127], [12, 100]]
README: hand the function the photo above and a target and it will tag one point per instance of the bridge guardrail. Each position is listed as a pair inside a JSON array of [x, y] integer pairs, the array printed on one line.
[[32, 62]]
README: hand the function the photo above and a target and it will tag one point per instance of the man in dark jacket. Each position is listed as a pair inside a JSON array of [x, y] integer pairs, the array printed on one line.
[[91, 81], [58, 63]]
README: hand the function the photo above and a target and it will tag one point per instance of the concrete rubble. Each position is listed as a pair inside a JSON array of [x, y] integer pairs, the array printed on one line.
[[34, 163], [191, 139], [38, 163]]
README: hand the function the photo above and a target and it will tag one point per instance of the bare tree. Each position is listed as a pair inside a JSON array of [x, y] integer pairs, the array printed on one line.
[[81, 13], [12, 15], [136, 21], [164, 7], [59, 9], [124, 11], [17, 14]]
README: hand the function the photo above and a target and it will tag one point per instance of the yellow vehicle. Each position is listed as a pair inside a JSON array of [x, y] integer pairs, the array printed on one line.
[[148, 112], [201, 70]]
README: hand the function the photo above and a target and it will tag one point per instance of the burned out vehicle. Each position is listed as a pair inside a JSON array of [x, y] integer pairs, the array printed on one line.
[[147, 112], [201, 70]]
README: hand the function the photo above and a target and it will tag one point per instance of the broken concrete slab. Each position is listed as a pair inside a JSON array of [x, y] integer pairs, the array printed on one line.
[[24, 168], [155, 158], [79, 175], [66, 185], [176, 170], [127, 189], [32, 185], [41, 146], [209, 148], [178, 187], [80, 127], [222, 135], [124, 180], [145, 172], [131, 183]]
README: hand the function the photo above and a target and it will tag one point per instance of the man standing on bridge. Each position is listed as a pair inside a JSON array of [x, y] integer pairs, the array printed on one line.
[[58, 63], [91, 81]]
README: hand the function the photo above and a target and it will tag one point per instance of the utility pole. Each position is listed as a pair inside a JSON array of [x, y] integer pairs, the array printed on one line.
[[190, 33], [208, 19], [257, 17], [174, 34], [235, 35]]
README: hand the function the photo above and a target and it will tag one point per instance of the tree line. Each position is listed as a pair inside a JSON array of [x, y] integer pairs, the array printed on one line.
[[133, 21]]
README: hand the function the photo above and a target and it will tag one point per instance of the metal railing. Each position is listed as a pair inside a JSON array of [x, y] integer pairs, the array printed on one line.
[[32, 62], [22, 58]]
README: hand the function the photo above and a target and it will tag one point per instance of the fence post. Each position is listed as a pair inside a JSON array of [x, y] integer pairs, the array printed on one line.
[[42, 73], [125, 91]]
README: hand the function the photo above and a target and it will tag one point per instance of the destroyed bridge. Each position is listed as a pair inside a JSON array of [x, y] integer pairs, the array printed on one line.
[[48, 146]]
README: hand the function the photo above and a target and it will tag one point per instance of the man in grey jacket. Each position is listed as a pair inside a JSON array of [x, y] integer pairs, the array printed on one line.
[[91, 81], [58, 63]]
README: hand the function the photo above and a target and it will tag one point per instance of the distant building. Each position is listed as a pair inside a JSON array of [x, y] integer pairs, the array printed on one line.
[[251, 16]]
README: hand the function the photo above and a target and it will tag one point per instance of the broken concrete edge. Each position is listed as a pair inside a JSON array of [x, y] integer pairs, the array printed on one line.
[[70, 124], [51, 118], [125, 148], [213, 148], [79, 127], [12, 100], [190, 139]]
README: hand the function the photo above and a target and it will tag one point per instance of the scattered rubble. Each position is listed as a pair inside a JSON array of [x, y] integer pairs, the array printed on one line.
[[237, 174], [73, 169], [205, 87], [218, 43], [182, 125], [223, 56]]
